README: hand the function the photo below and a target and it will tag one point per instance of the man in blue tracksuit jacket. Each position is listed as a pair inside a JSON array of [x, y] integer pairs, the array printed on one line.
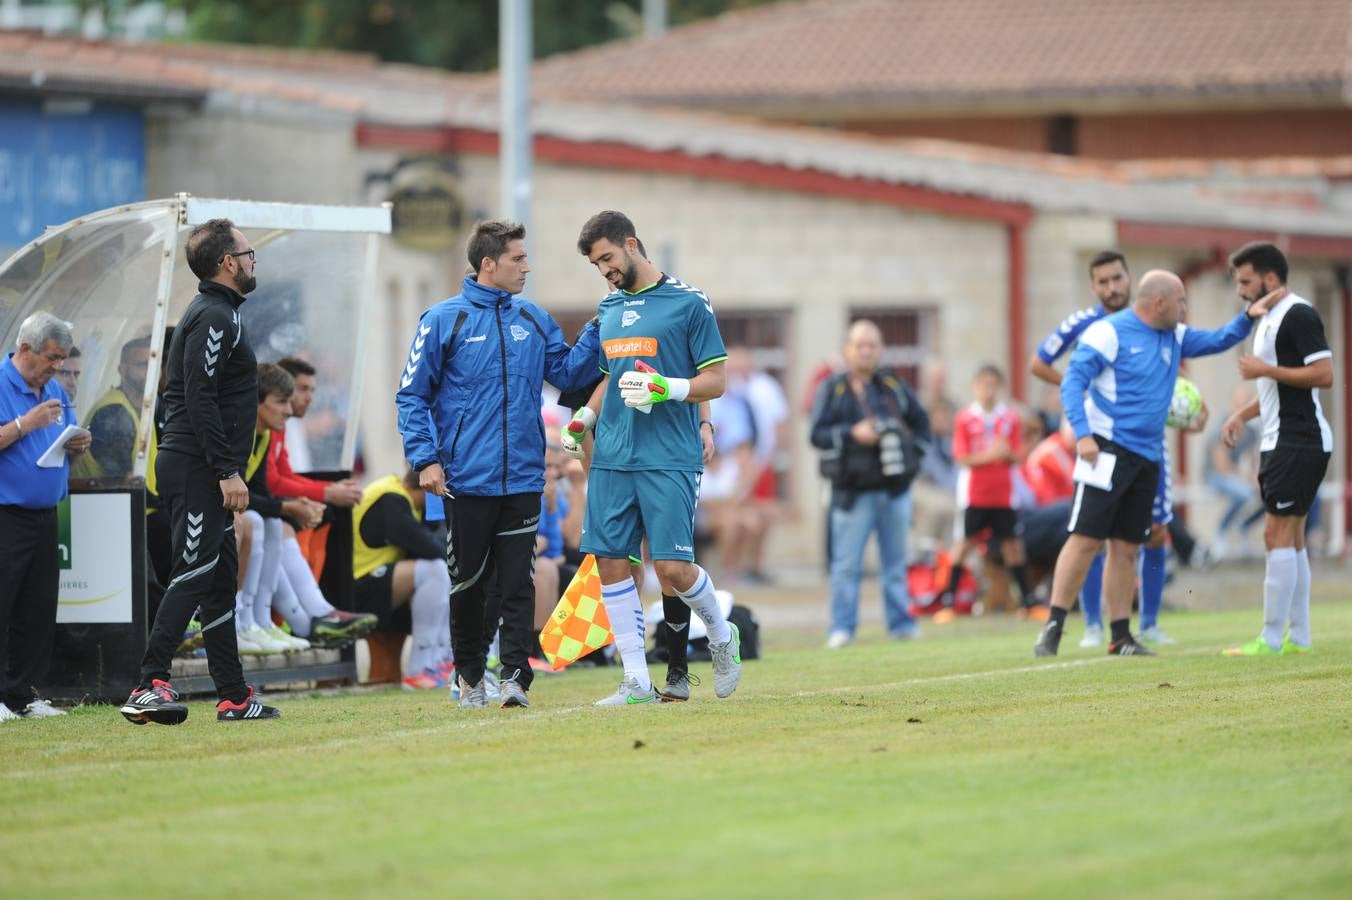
[[1116, 393], [469, 413]]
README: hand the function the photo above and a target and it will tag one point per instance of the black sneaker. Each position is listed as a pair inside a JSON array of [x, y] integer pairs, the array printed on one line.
[[1049, 641], [677, 688], [340, 628], [1128, 646], [250, 708], [157, 703]]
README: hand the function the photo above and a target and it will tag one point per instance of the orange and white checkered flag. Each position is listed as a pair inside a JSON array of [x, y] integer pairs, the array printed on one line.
[[579, 624]]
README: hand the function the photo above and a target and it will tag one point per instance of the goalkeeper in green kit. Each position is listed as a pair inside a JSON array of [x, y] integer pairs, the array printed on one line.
[[662, 356]]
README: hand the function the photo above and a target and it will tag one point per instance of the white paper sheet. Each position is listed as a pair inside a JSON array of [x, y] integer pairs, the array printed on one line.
[[56, 453], [1100, 474]]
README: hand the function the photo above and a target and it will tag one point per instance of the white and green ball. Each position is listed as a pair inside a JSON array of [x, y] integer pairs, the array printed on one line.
[[1186, 407]]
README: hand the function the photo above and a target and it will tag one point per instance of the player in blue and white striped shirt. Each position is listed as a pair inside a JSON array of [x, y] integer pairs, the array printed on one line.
[[1111, 283]]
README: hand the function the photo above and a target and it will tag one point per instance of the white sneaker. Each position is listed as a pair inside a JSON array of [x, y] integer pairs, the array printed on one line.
[[8, 715], [295, 644], [246, 646], [727, 660], [1093, 636], [838, 639], [1153, 635], [265, 642], [41, 709], [629, 694]]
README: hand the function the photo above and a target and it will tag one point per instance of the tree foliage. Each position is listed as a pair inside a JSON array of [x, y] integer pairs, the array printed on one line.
[[461, 35]]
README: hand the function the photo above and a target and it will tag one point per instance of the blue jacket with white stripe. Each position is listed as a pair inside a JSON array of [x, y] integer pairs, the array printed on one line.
[[1128, 370], [469, 395]]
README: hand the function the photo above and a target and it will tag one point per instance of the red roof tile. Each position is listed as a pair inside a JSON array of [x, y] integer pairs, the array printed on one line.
[[946, 52]]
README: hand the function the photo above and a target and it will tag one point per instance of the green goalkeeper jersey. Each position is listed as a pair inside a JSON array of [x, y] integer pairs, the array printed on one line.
[[671, 327]]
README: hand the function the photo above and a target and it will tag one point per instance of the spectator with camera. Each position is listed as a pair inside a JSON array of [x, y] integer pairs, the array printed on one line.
[[872, 432]]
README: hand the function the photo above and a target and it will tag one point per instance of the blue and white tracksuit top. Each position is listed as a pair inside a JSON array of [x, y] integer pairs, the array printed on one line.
[[469, 395], [1129, 370]]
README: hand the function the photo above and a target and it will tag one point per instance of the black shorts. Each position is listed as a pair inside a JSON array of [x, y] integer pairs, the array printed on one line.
[[374, 593], [1124, 512], [1003, 523], [1289, 479]]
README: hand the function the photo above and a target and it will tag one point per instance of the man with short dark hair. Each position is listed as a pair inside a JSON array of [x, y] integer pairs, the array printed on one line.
[[210, 409], [649, 453], [68, 376], [114, 421], [469, 413], [34, 410], [1291, 361]]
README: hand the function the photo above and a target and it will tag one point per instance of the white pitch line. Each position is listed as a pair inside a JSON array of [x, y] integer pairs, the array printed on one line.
[[496, 721]]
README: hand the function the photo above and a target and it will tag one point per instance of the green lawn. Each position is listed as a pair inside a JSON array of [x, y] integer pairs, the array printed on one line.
[[953, 766]]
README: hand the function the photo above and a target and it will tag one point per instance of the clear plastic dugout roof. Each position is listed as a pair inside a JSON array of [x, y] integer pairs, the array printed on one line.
[[119, 277]]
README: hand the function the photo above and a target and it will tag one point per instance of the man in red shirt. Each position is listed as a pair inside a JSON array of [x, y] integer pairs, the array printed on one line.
[[1049, 466], [986, 444], [306, 546]]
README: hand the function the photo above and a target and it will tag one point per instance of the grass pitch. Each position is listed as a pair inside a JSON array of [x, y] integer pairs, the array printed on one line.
[[955, 766]]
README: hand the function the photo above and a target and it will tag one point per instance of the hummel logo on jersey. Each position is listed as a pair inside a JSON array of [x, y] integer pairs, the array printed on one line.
[[1286, 504], [629, 318], [684, 549], [476, 339], [635, 302], [415, 355], [213, 352]]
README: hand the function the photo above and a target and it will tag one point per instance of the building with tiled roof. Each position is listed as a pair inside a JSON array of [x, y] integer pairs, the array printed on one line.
[[1113, 79], [965, 254]]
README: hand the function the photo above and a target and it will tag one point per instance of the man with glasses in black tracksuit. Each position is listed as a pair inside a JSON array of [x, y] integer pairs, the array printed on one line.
[[210, 409]]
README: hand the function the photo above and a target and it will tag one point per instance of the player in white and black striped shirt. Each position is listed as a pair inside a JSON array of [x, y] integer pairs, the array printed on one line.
[[1291, 360]]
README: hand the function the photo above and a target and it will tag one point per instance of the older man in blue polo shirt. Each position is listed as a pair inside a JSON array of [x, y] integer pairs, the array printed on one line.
[[34, 410]]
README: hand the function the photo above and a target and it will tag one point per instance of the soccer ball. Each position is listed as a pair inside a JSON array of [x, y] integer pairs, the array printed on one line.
[[1186, 407]]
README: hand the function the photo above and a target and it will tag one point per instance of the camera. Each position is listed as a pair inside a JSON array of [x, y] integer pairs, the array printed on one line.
[[890, 453]]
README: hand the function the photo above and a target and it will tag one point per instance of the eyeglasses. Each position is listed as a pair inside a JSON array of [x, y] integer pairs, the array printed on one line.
[[253, 256]]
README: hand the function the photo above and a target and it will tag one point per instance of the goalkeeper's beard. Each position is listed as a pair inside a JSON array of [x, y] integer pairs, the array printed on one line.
[[628, 277]]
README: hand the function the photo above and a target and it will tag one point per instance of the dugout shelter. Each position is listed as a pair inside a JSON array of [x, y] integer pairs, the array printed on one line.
[[119, 275]]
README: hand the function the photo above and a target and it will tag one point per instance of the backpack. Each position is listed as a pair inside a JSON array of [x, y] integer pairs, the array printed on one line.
[[748, 628]]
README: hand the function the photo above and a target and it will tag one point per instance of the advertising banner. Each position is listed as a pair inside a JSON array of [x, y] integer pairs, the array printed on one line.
[[96, 557]]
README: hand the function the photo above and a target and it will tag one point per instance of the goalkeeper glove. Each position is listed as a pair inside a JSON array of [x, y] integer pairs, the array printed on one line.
[[574, 433], [644, 386]]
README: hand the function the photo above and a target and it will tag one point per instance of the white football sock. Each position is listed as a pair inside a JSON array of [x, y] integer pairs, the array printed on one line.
[[444, 653], [243, 613], [1300, 602], [626, 621], [1279, 586], [285, 601], [268, 572], [703, 603], [428, 606], [244, 597], [303, 580]]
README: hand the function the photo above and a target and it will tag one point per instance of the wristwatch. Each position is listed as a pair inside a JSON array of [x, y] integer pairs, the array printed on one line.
[[709, 422]]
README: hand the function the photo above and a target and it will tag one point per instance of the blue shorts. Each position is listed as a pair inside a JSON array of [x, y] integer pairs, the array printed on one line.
[[1162, 511], [624, 507]]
